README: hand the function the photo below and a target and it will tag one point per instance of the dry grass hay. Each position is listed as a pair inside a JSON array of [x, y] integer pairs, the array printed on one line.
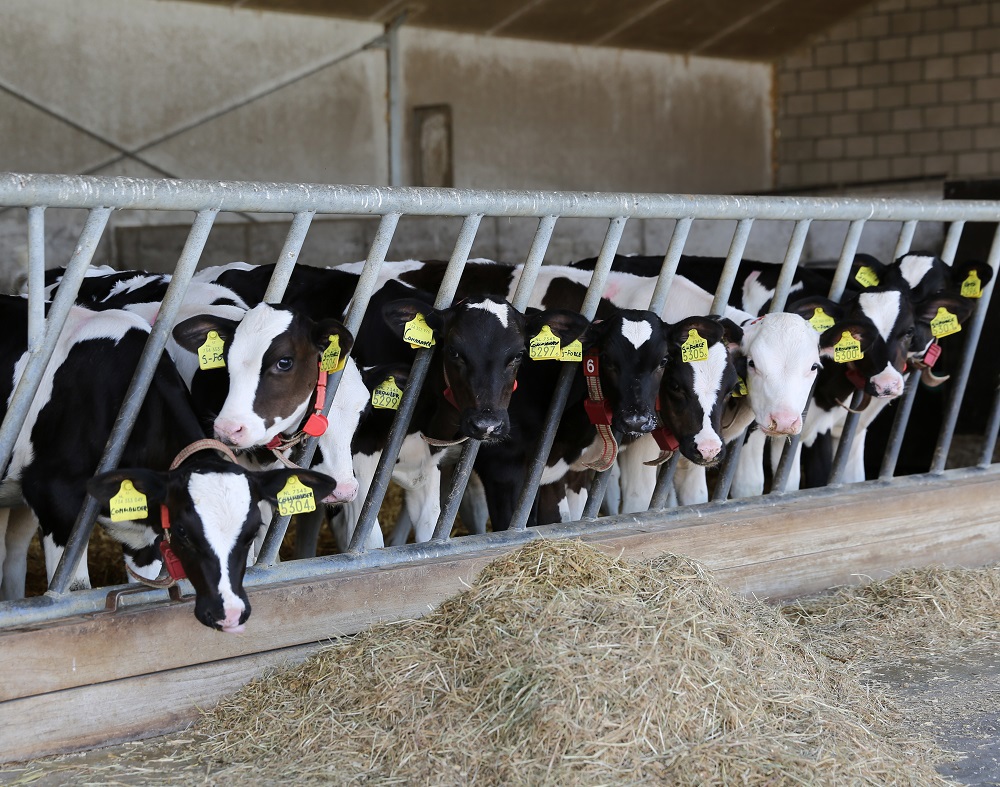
[[563, 665]]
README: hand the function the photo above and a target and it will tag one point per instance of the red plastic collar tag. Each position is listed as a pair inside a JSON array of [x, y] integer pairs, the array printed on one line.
[[856, 379], [932, 354], [599, 413], [665, 439], [173, 563], [316, 425]]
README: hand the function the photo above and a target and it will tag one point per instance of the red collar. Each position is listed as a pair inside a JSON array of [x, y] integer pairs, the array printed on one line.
[[854, 376], [170, 559], [314, 426]]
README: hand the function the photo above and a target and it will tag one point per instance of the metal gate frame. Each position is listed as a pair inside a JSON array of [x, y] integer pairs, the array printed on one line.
[[101, 196]]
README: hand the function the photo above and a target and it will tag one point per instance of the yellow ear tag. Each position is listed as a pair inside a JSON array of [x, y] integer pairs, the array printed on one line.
[[866, 277], [741, 388], [972, 287], [295, 498], [417, 333], [210, 353], [944, 324], [545, 346], [572, 352], [387, 394], [820, 320], [330, 361], [129, 503], [847, 349], [695, 348]]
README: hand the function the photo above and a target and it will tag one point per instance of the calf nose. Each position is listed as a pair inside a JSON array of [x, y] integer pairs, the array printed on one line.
[[231, 622], [484, 425], [785, 423], [638, 422], [344, 492], [888, 389], [231, 432], [709, 448]]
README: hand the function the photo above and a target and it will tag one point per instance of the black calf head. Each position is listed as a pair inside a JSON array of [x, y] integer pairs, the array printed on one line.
[[482, 341], [214, 517]]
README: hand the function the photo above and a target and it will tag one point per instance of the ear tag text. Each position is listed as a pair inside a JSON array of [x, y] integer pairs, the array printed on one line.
[[866, 277], [545, 346], [330, 361], [129, 503], [695, 348], [210, 353], [741, 388], [387, 395], [295, 498], [572, 352], [972, 287], [847, 349], [820, 320], [417, 333], [944, 323]]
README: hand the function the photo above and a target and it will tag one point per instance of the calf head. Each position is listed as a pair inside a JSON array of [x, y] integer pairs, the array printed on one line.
[[483, 341], [694, 388], [272, 357], [213, 516]]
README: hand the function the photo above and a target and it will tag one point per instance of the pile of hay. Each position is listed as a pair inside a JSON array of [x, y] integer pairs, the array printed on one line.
[[564, 665], [911, 614]]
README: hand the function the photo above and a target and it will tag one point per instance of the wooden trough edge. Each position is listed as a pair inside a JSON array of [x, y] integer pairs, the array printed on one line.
[[88, 680]]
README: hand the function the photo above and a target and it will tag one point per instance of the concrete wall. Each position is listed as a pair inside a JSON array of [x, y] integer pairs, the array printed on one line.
[[905, 88], [525, 115]]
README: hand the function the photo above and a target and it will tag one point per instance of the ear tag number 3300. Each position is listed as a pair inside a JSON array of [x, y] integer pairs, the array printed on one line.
[[295, 498]]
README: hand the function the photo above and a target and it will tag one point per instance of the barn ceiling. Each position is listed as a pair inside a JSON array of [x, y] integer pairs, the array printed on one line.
[[738, 29]]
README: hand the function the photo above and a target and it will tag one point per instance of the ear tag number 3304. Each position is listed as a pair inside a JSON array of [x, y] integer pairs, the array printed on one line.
[[295, 498], [330, 361]]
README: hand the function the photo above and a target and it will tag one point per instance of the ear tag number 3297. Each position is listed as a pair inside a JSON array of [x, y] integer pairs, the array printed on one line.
[[330, 361], [847, 349], [129, 503], [944, 323], [387, 395], [295, 498], [972, 287], [545, 346], [695, 348], [820, 320], [210, 353], [417, 333]]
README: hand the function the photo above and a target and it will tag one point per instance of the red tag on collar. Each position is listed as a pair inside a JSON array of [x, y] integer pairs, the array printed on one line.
[[274, 443], [665, 439], [171, 561], [315, 426], [591, 366], [599, 413], [855, 378], [932, 354]]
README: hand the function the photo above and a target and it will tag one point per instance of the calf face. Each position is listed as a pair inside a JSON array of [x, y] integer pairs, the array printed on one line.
[[213, 518], [482, 344], [693, 391], [272, 358]]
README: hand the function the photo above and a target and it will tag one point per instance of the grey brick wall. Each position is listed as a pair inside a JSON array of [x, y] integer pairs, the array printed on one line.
[[906, 88]]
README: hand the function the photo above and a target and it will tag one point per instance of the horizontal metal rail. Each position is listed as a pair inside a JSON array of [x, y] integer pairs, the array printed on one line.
[[101, 196]]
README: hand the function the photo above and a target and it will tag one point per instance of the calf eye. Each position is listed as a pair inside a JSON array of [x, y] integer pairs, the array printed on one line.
[[518, 357], [664, 360], [453, 353], [750, 363], [816, 367], [284, 364]]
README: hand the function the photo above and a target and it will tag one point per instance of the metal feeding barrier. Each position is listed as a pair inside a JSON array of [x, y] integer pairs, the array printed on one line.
[[102, 196]]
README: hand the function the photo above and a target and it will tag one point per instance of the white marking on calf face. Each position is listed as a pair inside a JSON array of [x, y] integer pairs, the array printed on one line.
[[498, 310], [914, 267], [882, 308], [222, 503], [637, 332], [707, 384]]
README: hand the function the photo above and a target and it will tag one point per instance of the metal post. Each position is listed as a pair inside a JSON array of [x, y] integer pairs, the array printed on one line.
[[725, 480], [289, 256], [951, 241], [142, 378], [732, 265], [846, 439], [905, 239], [362, 294], [394, 76], [990, 438], [665, 483], [36, 278], [668, 271], [790, 264]]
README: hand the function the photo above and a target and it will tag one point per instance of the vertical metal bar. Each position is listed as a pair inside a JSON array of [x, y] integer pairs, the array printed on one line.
[[951, 241], [732, 265], [791, 263], [453, 499], [394, 76], [36, 277], [289, 256], [141, 380], [536, 466], [664, 483], [846, 439], [888, 468], [905, 239], [725, 480], [31, 378], [974, 328], [418, 372], [533, 262], [847, 253], [990, 436], [362, 295], [668, 270]]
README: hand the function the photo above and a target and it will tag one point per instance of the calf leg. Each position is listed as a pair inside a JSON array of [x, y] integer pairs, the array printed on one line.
[[613, 497], [749, 478], [690, 483], [473, 508], [638, 480], [21, 528], [423, 504]]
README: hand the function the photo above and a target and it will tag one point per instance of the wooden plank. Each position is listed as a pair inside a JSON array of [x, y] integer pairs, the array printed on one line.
[[770, 548], [130, 709]]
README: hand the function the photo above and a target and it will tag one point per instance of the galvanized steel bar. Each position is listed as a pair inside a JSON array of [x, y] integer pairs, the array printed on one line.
[[846, 260], [665, 483], [974, 327], [533, 262], [418, 372], [990, 435], [359, 304], [725, 480], [36, 277], [289, 256], [453, 498], [731, 266], [34, 369], [394, 94], [591, 300], [159, 333], [668, 271], [951, 241], [905, 239], [790, 265], [898, 430], [846, 440]]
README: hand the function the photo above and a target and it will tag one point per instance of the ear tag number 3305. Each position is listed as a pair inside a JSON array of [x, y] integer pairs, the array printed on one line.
[[129, 503], [210, 353], [695, 348], [295, 498]]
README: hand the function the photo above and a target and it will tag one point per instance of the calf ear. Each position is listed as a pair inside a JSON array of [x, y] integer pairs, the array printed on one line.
[[961, 271], [709, 328], [732, 333], [863, 331], [806, 307], [271, 482], [397, 313], [595, 334], [151, 483], [865, 270], [192, 332], [326, 328], [927, 309], [377, 374], [563, 323]]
